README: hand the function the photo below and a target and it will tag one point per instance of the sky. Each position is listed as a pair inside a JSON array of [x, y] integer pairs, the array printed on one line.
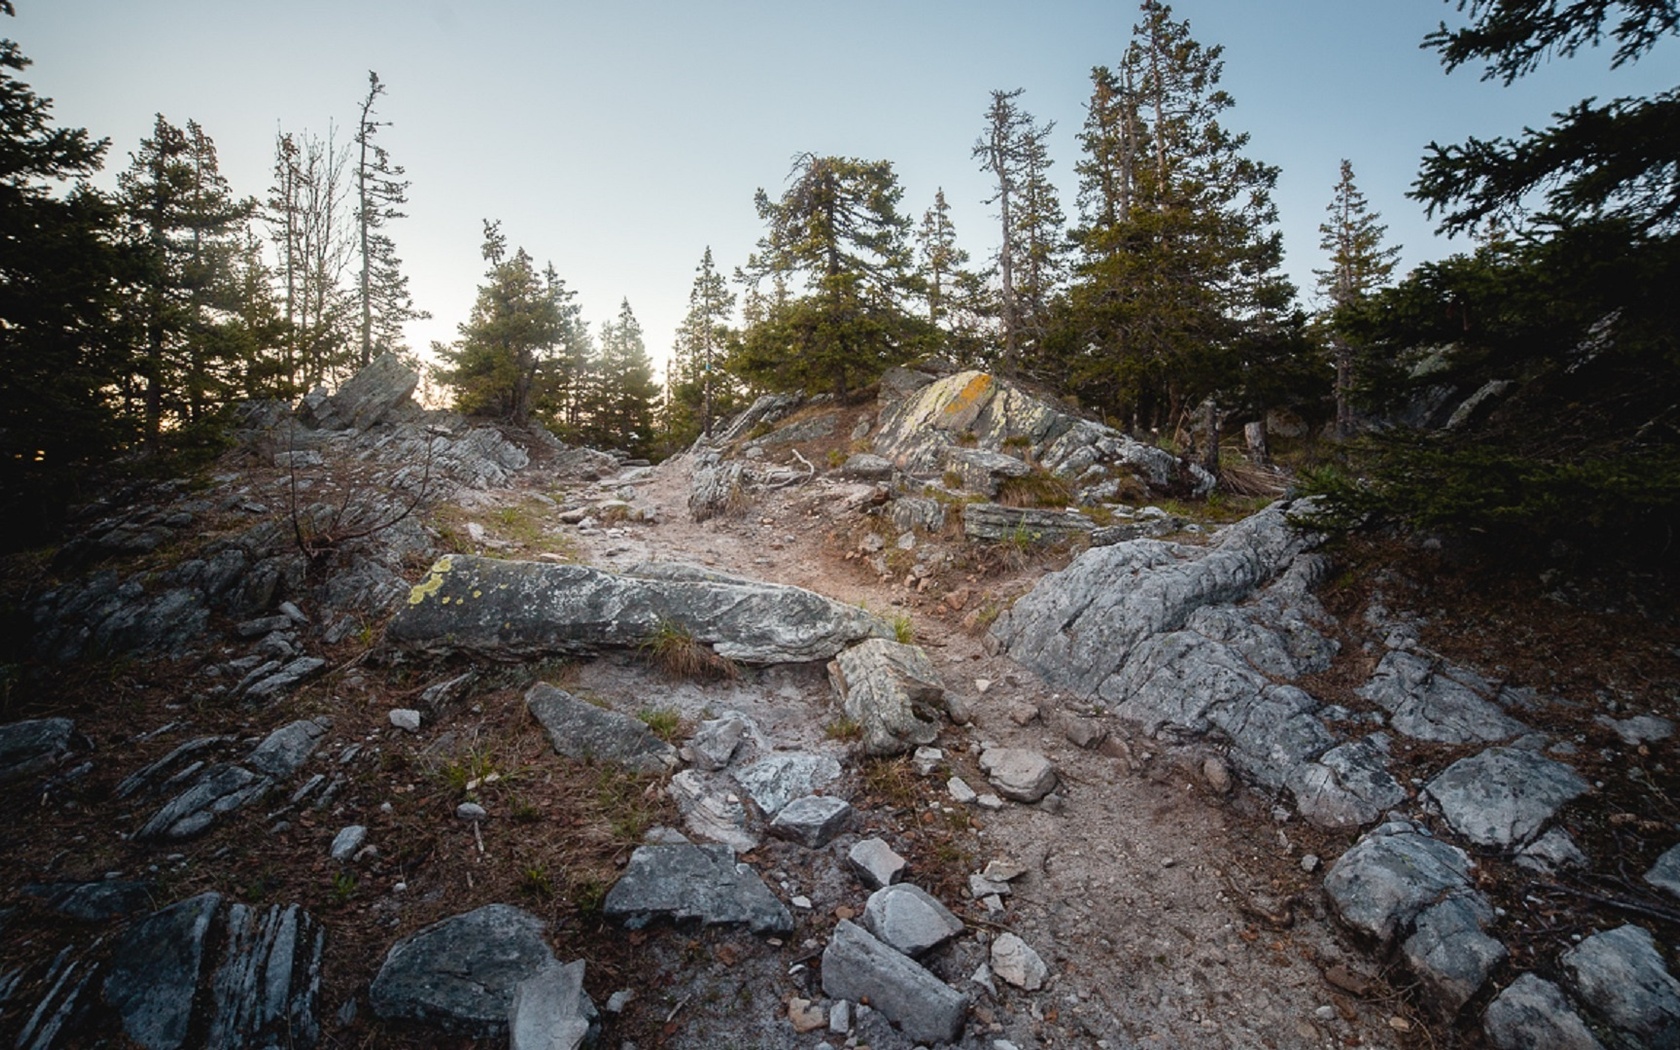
[[618, 139]]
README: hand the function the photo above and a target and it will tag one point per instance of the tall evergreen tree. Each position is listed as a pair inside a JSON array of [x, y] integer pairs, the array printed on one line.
[[698, 385], [306, 214], [381, 191], [1359, 265], [626, 392], [837, 227]]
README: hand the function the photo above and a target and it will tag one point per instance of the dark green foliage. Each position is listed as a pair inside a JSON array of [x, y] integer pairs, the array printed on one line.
[[623, 395]]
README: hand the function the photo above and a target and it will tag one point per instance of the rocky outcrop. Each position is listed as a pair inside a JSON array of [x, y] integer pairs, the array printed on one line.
[[892, 691], [217, 790], [1023, 526], [369, 397], [512, 610], [583, 731], [35, 746]]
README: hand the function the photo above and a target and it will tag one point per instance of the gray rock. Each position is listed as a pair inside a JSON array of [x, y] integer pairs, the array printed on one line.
[[1502, 797], [812, 429], [717, 489], [266, 992], [857, 967], [767, 409], [1428, 700], [95, 901], [551, 1011], [220, 789], [983, 471], [581, 730], [775, 781], [406, 719], [284, 751], [711, 814], [694, 882], [1532, 1014], [1552, 852], [367, 398], [877, 863], [1380, 885], [347, 842], [862, 466], [460, 974], [439, 697], [153, 973], [1665, 873], [471, 812], [519, 609], [909, 919], [284, 678], [1015, 962], [31, 747], [1620, 976], [1451, 955], [892, 691], [1024, 526], [1640, 729], [1348, 787], [715, 742], [909, 513], [582, 464], [1018, 774], [812, 821]]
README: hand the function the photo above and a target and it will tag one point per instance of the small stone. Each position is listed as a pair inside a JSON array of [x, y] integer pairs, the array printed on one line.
[[805, 1015], [1083, 732], [989, 801], [993, 903], [1023, 714], [876, 863], [960, 791], [927, 759], [1014, 961], [980, 886], [1310, 863], [406, 719], [1002, 869], [471, 811], [1018, 774], [1217, 774], [347, 842], [801, 902], [982, 976], [812, 821], [840, 1017], [909, 919], [981, 686], [617, 1001]]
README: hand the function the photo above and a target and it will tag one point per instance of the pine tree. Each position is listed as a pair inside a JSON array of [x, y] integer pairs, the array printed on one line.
[[1359, 266], [626, 392], [698, 385], [306, 214], [381, 191]]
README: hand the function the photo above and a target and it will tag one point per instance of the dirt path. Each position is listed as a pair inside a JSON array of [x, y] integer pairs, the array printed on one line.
[[1169, 915]]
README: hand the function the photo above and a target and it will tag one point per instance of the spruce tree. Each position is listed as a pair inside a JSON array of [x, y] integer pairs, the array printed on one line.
[[699, 388], [381, 191], [626, 392], [1359, 266]]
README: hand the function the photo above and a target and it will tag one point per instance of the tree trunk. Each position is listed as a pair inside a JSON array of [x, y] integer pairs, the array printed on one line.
[[1211, 419], [1255, 435]]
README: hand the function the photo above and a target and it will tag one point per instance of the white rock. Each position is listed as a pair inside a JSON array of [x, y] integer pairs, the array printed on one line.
[[347, 841], [1015, 962], [406, 718], [960, 791]]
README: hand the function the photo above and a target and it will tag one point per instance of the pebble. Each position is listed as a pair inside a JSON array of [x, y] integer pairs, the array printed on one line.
[[406, 719], [981, 685], [927, 760], [989, 801], [800, 902], [617, 1001], [347, 841], [960, 791], [1310, 863]]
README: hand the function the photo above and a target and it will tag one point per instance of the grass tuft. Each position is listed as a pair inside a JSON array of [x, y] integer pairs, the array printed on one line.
[[672, 648]]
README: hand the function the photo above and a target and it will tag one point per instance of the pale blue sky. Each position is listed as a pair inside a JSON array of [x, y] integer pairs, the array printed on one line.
[[619, 139]]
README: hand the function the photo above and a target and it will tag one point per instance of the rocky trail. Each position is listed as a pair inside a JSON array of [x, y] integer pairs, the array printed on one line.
[[839, 731]]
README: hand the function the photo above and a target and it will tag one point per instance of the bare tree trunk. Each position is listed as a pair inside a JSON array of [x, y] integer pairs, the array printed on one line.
[[1211, 419], [1255, 435]]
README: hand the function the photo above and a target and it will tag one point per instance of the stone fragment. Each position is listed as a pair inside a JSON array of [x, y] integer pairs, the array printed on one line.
[[510, 609], [1503, 796], [715, 742], [694, 882], [927, 760], [876, 863], [1553, 852], [1015, 962], [865, 466], [1084, 733], [1620, 976], [347, 842], [1018, 774], [805, 1016], [1532, 1014], [1665, 873], [551, 1011], [812, 821], [266, 992], [1388, 877], [1023, 526], [283, 678], [1449, 952], [909, 919], [984, 471], [284, 751], [1348, 786], [405, 718], [711, 814], [981, 887], [582, 731], [1640, 729], [892, 691], [154, 971], [36, 745], [95, 901], [1217, 774], [960, 791], [1429, 700], [775, 781], [368, 397], [460, 974], [859, 968], [218, 790]]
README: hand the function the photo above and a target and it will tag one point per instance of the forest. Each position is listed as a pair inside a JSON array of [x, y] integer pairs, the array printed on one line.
[[132, 322]]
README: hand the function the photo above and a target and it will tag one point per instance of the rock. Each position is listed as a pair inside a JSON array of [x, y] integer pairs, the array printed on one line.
[[1640, 729], [1430, 700], [1620, 975], [460, 974], [37, 745], [775, 781], [1665, 873], [876, 863], [551, 1011], [909, 919], [909, 513], [1017, 963], [862, 466], [694, 882], [927, 760], [503, 609], [812, 821], [1349, 785], [1532, 1014], [367, 398], [1083, 733], [1217, 774], [219, 789], [347, 842], [284, 751], [581, 730], [95, 901], [960, 791], [440, 696], [1018, 774], [983, 471], [266, 992], [840, 1017], [717, 489], [859, 968], [713, 815], [1380, 885], [283, 678], [154, 971], [892, 691], [980, 886], [1552, 852], [1451, 955], [1023, 526], [715, 742], [1502, 797], [582, 464], [805, 1016], [405, 718]]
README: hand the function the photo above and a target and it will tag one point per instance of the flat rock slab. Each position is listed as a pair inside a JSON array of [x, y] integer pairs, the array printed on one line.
[[581, 730], [284, 751], [892, 691], [551, 1011], [683, 882], [1014, 961], [1349, 786], [460, 974], [775, 781], [1621, 977], [1532, 1014], [267, 989], [859, 968], [366, 398], [1018, 774], [909, 919], [1451, 955], [876, 863], [220, 789], [512, 609], [154, 972], [36, 745], [1429, 700], [711, 814], [812, 821], [1379, 886], [1023, 526], [1503, 796], [95, 901], [1665, 873]]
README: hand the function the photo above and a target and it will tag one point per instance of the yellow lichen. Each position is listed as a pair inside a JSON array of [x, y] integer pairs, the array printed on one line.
[[432, 583], [976, 389]]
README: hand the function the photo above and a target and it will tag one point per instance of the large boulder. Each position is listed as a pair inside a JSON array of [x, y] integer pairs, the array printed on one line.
[[513, 610], [460, 974], [367, 398], [892, 691]]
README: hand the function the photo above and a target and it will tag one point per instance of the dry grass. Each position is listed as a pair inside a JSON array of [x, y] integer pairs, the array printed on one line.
[[1038, 489], [672, 648]]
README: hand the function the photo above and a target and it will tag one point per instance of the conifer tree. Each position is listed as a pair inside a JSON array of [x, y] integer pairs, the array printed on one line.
[[381, 191], [1359, 266], [307, 216], [699, 388], [626, 392]]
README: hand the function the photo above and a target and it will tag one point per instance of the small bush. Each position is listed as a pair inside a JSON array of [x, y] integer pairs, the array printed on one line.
[[904, 631], [836, 458], [845, 729]]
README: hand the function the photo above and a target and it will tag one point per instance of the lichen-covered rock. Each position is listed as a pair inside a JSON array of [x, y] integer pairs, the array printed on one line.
[[510, 610], [1430, 700], [892, 691], [1621, 976], [1451, 954], [1348, 786], [1023, 526], [1504, 796], [983, 471], [460, 974], [1380, 885], [1532, 1014]]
